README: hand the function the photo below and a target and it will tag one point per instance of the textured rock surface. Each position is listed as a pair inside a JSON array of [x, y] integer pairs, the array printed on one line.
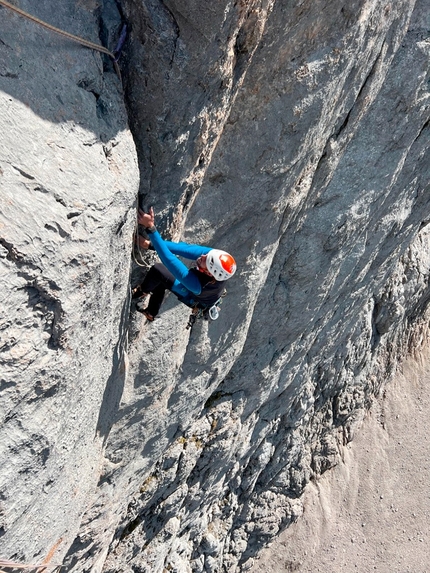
[[371, 511], [295, 136], [68, 176]]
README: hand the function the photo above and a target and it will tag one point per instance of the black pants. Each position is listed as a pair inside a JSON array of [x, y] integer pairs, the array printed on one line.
[[156, 282]]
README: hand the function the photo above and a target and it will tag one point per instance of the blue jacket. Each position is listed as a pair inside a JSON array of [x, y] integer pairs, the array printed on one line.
[[190, 286]]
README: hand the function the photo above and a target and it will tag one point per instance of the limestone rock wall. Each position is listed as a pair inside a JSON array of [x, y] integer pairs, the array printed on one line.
[[69, 178], [294, 135], [319, 185]]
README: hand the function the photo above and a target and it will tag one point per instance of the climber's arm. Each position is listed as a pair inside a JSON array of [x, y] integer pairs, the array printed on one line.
[[173, 264]]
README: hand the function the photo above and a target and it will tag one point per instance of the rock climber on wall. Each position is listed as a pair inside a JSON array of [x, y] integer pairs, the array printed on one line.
[[201, 285]]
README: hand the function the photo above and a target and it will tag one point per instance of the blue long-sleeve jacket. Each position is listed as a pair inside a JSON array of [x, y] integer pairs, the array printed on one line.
[[186, 281]]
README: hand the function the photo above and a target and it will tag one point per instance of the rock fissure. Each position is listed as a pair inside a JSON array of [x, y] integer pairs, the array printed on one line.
[[360, 102]]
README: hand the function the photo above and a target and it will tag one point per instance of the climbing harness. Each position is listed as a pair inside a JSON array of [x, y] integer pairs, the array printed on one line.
[[205, 312], [82, 41]]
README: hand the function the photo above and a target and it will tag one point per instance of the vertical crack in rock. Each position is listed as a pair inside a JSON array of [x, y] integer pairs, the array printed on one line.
[[210, 67], [361, 101], [176, 29]]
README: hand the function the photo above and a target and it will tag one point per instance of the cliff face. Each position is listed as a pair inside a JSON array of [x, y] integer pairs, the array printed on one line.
[[69, 177], [294, 136]]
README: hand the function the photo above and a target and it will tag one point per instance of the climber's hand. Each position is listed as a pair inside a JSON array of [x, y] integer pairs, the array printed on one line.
[[146, 219], [143, 243]]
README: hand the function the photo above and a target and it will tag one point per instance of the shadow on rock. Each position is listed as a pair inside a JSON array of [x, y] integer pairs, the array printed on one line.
[[58, 79]]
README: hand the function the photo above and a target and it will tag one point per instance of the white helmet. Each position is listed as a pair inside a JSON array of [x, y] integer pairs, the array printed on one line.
[[220, 264]]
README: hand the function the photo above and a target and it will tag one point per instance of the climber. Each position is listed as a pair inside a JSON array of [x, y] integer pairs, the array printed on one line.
[[201, 285]]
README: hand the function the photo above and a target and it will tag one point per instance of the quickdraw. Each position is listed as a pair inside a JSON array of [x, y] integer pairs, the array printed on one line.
[[207, 313]]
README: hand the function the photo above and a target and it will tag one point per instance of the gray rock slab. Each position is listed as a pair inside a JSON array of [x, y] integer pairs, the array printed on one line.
[[68, 176]]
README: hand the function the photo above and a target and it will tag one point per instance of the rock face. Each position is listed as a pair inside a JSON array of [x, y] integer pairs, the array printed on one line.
[[69, 178], [296, 136]]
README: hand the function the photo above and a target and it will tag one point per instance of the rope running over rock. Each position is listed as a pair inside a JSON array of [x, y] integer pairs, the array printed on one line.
[[72, 37]]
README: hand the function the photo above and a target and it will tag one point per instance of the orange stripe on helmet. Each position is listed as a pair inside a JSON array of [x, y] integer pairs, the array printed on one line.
[[228, 263]]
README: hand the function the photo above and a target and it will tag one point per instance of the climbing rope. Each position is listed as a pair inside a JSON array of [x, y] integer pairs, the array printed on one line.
[[13, 566], [72, 37], [136, 247]]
